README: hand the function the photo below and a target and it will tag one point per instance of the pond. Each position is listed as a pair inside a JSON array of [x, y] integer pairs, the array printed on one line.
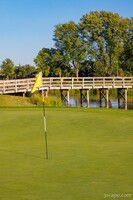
[[113, 103]]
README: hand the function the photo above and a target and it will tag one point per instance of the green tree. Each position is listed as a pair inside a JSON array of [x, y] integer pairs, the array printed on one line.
[[87, 69], [59, 65], [68, 42], [42, 61], [8, 68], [105, 34], [127, 55], [51, 63], [24, 71]]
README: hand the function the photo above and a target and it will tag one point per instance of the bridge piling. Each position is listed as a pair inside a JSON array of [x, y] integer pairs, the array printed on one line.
[[122, 96], [84, 95], [65, 96], [104, 95], [46, 93]]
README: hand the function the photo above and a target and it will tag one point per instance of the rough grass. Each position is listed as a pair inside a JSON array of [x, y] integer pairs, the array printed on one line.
[[8, 100], [34, 100], [90, 154]]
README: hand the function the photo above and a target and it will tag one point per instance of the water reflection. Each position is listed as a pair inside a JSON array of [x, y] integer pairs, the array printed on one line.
[[113, 103]]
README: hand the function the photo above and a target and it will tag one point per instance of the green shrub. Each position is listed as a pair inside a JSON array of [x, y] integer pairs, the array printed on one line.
[[36, 99]]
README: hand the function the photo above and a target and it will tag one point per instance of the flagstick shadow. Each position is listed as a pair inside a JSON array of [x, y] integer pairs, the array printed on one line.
[[20, 153]]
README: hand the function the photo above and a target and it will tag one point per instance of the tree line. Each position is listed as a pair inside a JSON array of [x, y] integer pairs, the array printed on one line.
[[101, 44]]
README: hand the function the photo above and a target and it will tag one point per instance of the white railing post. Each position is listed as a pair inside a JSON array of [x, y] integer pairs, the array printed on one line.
[[3, 87], [113, 82], [28, 84], [93, 82], [83, 82], [103, 81], [123, 82], [72, 82], [50, 82], [16, 86], [61, 81]]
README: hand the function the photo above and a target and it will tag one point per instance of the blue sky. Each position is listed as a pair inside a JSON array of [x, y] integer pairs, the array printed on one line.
[[26, 26]]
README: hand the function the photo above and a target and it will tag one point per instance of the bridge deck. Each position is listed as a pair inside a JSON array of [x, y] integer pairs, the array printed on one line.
[[55, 83]]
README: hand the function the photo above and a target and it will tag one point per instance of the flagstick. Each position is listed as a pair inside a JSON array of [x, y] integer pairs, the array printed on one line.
[[45, 131]]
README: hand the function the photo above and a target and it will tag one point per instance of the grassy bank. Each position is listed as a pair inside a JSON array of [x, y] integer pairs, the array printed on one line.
[[90, 154], [34, 100], [8, 100]]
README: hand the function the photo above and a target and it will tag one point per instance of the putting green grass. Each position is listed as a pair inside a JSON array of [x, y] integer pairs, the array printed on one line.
[[90, 154]]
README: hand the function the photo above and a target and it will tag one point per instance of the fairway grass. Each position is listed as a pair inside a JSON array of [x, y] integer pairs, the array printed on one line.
[[90, 154]]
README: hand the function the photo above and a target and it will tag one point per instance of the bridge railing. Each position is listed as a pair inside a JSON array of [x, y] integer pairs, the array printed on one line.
[[25, 85], [88, 82], [16, 86]]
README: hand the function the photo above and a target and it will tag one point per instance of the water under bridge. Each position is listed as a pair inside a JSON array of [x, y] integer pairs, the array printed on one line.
[[65, 84]]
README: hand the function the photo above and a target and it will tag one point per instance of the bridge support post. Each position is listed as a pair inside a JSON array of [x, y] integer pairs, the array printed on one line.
[[84, 96], [46, 93], [65, 97], [122, 96], [104, 95]]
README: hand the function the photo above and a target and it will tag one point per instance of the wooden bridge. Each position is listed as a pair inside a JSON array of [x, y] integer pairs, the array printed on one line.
[[64, 84]]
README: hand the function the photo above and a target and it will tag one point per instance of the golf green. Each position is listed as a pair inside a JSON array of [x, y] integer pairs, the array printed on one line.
[[90, 154]]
